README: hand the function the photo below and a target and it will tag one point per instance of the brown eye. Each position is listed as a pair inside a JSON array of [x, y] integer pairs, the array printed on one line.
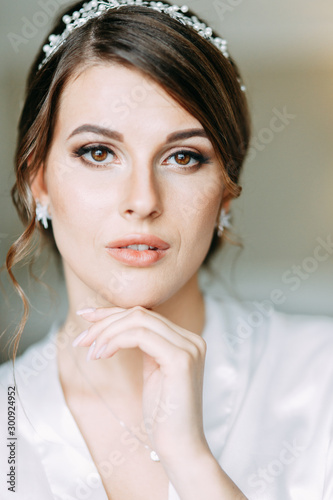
[[99, 154], [183, 158], [186, 159], [95, 155]]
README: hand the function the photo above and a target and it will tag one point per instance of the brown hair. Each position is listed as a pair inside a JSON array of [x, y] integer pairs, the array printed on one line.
[[190, 69]]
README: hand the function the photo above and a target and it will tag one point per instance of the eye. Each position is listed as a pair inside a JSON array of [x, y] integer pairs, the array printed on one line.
[[99, 154], [95, 154], [183, 158], [186, 159]]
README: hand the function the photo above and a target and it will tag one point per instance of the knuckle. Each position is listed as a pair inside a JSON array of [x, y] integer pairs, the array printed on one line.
[[202, 346], [138, 308], [138, 312], [194, 351]]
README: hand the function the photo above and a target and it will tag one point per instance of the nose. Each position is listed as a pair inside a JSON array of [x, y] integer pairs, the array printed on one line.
[[141, 197]]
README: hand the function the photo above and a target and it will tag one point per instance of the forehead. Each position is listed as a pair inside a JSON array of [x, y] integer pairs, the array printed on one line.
[[114, 95]]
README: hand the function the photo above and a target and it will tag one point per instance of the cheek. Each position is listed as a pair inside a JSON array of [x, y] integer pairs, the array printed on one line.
[[74, 215], [202, 203], [75, 200], [199, 208]]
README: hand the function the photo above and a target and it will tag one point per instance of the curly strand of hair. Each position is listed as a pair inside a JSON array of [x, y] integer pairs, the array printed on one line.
[[18, 251]]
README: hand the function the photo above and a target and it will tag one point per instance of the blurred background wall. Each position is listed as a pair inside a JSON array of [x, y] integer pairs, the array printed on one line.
[[285, 213]]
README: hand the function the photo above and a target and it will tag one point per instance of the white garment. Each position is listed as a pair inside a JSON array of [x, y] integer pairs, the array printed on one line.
[[268, 411]]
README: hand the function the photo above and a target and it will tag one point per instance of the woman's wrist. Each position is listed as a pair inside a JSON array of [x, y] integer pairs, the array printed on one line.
[[199, 476]]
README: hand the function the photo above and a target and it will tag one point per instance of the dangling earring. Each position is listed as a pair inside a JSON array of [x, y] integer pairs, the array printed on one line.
[[42, 214], [224, 221]]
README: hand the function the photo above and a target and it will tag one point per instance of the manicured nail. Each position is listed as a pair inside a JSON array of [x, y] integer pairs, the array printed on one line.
[[100, 352], [91, 349], [85, 311], [79, 338]]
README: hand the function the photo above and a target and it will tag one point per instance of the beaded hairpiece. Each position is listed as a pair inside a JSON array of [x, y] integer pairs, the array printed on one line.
[[95, 8]]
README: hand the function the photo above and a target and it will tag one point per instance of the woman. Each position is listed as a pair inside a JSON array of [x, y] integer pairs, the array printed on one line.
[[132, 137]]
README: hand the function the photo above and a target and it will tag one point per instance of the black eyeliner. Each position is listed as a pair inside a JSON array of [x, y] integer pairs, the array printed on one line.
[[87, 149]]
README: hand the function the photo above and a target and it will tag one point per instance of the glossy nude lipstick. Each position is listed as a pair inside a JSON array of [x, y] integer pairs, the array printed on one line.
[[138, 250]]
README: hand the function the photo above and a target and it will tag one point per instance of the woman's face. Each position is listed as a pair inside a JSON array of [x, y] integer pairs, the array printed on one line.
[[128, 165]]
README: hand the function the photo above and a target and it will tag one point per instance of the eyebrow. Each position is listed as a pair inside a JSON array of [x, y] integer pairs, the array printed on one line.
[[113, 134], [186, 134], [95, 129]]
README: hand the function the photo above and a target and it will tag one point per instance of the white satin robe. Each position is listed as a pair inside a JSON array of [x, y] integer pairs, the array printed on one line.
[[268, 411]]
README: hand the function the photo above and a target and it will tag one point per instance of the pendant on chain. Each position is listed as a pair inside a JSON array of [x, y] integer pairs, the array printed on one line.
[[154, 456]]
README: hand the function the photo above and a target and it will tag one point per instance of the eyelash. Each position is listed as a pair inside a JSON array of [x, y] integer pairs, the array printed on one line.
[[84, 150]]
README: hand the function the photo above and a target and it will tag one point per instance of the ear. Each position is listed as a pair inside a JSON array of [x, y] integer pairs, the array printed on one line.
[[226, 200], [38, 186]]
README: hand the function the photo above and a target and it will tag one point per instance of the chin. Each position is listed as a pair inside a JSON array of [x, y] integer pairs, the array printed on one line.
[[132, 298]]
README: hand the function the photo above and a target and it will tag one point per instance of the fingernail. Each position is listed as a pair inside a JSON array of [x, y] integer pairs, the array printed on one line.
[[85, 311], [79, 338], [100, 352], [91, 349]]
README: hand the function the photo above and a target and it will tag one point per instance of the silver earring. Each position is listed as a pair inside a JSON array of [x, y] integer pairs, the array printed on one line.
[[224, 221], [42, 214]]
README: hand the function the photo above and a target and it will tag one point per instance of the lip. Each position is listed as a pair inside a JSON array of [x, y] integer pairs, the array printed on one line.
[[138, 258], [137, 239]]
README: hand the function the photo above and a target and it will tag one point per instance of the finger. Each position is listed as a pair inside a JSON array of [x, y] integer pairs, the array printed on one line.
[[164, 352], [138, 315], [100, 347], [194, 337], [87, 336], [102, 331], [91, 314], [104, 317]]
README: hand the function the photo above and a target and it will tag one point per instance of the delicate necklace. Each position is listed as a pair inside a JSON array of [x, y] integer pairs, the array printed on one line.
[[153, 454]]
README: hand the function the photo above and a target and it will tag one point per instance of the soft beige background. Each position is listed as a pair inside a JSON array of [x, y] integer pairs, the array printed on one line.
[[285, 51]]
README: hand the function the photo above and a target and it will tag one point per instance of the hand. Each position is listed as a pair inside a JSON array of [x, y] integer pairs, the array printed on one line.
[[173, 365]]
